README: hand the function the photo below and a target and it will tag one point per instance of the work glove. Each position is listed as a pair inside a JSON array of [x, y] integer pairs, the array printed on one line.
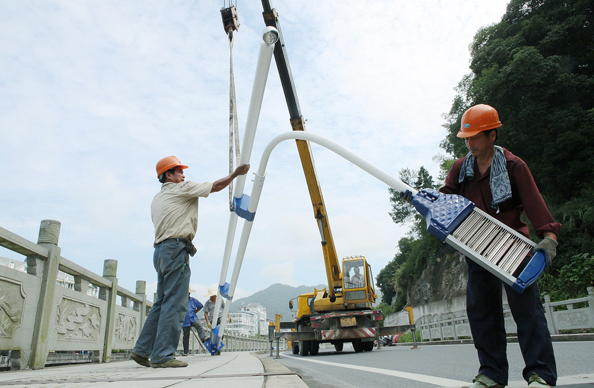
[[548, 246], [406, 195], [209, 326]]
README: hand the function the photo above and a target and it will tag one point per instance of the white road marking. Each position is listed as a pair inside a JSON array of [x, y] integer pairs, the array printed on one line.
[[587, 378], [439, 381]]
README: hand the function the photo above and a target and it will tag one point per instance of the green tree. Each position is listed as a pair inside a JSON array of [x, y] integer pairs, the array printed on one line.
[[415, 250], [402, 211], [385, 282], [536, 67]]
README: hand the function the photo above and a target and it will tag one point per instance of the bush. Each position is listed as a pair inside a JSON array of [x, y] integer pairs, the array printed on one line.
[[408, 337]]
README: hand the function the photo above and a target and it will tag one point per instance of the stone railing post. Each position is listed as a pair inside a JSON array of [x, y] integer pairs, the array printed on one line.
[[81, 285], [549, 314], [141, 306], [49, 234], [110, 270], [591, 298]]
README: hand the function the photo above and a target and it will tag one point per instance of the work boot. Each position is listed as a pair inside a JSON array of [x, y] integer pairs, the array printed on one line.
[[139, 359], [482, 381], [184, 354], [173, 363], [537, 382]]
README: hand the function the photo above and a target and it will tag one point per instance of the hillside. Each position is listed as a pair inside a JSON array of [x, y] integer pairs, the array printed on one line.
[[276, 299]]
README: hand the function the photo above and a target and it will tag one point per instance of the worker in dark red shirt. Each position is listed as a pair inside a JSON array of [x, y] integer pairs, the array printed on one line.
[[501, 184]]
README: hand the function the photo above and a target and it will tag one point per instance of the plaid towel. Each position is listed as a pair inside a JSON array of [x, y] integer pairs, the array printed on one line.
[[499, 182]]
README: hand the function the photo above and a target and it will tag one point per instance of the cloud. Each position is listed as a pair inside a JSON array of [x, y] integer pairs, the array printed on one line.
[[95, 93]]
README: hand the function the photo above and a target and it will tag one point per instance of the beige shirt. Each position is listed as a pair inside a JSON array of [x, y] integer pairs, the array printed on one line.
[[175, 210]]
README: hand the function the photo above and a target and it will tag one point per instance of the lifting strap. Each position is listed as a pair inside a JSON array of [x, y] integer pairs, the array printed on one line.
[[233, 126], [231, 24]]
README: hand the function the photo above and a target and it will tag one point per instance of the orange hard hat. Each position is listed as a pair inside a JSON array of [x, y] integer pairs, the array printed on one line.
[[168, 163], [477, 119]]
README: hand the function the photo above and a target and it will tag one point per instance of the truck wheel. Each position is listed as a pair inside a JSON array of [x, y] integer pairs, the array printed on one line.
[[368, 346], [303, 348], [295, 347], [314, 348], [338, 346], [358, 346]]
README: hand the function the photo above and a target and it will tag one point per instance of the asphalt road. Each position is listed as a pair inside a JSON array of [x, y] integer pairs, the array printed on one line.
[[429, 366]]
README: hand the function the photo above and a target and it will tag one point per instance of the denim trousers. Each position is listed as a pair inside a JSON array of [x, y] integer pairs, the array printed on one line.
[[161, 331], [201, 334], [487, 325]]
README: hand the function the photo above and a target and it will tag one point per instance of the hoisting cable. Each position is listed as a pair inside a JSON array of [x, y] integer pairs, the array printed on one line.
[[231, 24]]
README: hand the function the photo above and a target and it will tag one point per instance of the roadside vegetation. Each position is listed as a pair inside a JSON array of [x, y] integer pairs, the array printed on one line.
[[536, 67]]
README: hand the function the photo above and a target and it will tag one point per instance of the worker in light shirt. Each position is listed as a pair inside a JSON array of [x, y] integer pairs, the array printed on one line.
[[174, 212]]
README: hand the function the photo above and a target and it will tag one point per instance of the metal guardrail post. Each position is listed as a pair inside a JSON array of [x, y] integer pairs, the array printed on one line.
[[271, 337], [49, 234], [414, 339]]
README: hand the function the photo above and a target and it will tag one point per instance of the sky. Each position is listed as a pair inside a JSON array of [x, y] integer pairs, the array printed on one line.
[[94, 93]]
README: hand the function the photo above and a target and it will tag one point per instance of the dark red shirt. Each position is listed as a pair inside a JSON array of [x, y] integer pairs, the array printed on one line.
[[525, 196]]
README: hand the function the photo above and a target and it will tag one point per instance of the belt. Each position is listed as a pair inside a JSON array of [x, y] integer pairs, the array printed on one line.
[[179, 240], [188, 245]]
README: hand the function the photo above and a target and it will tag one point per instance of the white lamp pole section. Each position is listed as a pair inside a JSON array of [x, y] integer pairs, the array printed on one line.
[[259, 183], [269, 38]]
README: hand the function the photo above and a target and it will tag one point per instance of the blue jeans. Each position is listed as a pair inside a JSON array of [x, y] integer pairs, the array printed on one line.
[[161, 331], [485, 315]]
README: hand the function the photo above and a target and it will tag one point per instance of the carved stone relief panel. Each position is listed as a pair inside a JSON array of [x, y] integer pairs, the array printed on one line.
[[425, 334], [435, 333], [573, 319], [12, 302], [77, 321], [125, 328], [448, 331], [463, 330]]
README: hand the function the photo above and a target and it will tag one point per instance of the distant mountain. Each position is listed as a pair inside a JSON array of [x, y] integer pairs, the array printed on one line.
[[276, 299]]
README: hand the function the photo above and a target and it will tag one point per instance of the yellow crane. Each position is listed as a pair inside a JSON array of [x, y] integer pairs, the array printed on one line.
[[342, 312]]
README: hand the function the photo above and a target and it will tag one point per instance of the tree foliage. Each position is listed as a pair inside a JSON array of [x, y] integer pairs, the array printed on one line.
[[536, 67], [413, 251], [402, 211]]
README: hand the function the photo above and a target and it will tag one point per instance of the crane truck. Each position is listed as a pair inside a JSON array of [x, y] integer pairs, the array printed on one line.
[[341, 312]]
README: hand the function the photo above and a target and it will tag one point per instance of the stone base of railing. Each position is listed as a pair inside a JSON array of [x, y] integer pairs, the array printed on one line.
[[68, 358]]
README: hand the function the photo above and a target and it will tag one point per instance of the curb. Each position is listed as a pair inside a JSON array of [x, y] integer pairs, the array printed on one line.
[[554, 338], [290, 380]]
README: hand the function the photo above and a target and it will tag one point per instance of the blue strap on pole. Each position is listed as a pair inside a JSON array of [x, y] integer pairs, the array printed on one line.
[[241, 207], [224, 290]]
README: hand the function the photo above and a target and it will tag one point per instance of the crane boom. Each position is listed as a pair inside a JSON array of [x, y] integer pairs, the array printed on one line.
[[333, 269]]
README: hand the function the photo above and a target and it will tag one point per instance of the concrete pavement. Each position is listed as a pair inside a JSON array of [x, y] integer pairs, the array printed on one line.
[[230, 369]]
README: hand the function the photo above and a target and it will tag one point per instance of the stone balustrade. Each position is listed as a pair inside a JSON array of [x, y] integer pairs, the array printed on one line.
[[38, 317], [448, 320]]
